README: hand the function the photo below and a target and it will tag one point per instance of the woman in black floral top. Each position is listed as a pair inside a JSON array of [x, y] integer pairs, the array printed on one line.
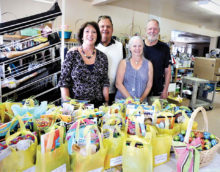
[[84, 73]]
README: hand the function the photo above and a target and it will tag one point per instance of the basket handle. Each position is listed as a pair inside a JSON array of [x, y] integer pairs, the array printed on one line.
[[190, 123]]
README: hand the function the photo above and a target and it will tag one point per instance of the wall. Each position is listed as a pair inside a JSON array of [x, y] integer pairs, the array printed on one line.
[[79, 11]]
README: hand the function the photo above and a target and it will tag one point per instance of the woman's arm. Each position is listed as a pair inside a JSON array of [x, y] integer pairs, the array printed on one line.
[[65, 77], [120, 78], [106, 94], [65, 93], [149, 83]]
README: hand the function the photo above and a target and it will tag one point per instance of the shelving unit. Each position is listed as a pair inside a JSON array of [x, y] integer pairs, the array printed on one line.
[[34, 70], [180, 68], [197, 94]]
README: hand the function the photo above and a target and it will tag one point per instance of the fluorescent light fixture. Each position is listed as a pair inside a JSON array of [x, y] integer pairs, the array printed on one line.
[[210, 5], [46, 1]]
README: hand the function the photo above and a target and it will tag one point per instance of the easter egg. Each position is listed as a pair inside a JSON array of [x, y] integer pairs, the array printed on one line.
[[190, 139], [207, 147], [202, 141], [192, 134], [180, 135], [182, 139], [212, 136], [199, 148], [213, 142], [206, 135], [176, 138], [183, 132], [200, 135]]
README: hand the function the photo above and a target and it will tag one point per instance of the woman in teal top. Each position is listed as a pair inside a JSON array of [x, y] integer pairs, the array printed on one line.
[[135, 74]]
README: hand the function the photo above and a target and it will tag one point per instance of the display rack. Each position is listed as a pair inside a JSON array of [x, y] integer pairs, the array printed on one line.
[[180, 68], [198, 96], [34, 73]]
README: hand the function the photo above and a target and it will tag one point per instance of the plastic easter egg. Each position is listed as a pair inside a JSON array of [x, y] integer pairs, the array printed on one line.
[[207, 142], [192, 134], [213, 142], [176, 138], [199, 134], [212, 136], [182, 139], [183, 132], [180, 135], [202, 141], [206, 136], [207, 147], [199, 148], [190, 139]]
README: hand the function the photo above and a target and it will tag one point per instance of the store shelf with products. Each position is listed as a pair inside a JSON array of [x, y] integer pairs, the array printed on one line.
[[180, 72], [30, 65], [199, 95]]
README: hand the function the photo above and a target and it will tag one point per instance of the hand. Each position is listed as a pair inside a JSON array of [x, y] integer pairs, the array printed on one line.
[[106, 103], [73, 49], [164, 94]]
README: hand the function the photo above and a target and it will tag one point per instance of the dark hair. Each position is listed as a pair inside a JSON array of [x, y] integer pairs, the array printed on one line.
[[81, 30], [105, 17]]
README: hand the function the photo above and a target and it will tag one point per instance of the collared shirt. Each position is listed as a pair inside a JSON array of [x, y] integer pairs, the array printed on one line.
[[113, 42]]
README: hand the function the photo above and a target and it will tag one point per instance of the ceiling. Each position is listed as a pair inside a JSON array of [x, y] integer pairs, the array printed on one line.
[[186, 11]]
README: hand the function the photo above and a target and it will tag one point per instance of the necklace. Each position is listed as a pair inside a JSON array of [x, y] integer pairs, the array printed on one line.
[[136, 62], [89, 57]]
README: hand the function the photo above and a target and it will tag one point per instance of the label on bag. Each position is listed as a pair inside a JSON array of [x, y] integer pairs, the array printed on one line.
[[61, 168], [31, 169], [116, 161], [160, 158], [96, 170]]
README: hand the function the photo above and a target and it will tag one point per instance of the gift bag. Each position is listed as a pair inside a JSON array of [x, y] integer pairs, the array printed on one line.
[[87, 158], [57, 160], [19, 160], [137, 154], [165, 124], [161, 145], [114, 144]]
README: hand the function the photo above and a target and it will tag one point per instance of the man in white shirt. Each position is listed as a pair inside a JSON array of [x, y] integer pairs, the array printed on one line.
[[113, 49]]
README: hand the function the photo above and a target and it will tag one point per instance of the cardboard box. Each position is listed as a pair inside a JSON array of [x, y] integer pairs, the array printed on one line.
[[207, 68]]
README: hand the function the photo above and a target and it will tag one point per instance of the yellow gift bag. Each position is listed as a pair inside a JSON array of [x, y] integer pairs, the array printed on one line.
[[19, 160], [54, 154], [161, 145], [137, 154], [57, 160], [186, 121], [114, 145], [88, 159]]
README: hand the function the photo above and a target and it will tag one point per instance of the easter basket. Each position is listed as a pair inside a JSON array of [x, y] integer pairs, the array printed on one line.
[[206, 156]]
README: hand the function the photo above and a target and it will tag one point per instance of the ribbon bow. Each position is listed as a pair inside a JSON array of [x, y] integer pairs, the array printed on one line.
[[188, 156]]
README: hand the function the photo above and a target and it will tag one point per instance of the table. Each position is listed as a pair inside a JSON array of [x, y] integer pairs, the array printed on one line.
[[170, 166]]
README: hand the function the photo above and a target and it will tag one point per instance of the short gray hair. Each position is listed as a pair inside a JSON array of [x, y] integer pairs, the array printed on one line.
[[132, 39], [155, 20]]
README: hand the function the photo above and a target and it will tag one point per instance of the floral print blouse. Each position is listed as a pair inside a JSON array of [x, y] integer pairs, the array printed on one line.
[[85, 82]]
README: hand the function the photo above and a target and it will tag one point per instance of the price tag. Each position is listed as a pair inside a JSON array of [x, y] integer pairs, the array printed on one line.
[[116, 161], [61, 168], [160, 158]]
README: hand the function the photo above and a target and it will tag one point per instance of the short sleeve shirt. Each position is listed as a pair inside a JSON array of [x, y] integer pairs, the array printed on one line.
[[159, 55]]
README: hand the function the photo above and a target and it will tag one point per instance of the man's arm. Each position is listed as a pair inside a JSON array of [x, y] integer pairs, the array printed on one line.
[[164, 94]]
